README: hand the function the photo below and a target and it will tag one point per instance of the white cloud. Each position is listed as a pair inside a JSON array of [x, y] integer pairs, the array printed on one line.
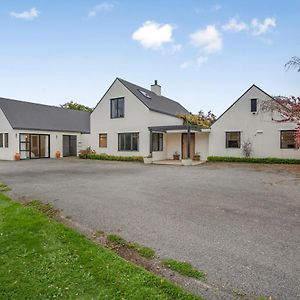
[[208, 39], [201, 60], [234, 25], [26, 15], [152, 35], [262, 27], [216, 7], [102, 7], [186, 64]]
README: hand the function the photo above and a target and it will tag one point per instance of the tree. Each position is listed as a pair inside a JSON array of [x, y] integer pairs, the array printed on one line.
[[293, 63], [287, 109], [76, 106], [200, 119]]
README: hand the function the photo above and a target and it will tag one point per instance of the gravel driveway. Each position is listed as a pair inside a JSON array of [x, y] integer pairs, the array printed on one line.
[[238, 223]]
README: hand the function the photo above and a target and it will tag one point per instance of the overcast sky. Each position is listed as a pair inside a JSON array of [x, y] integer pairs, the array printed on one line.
[[204, 54]]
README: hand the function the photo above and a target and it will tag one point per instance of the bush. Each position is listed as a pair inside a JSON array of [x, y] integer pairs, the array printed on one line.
[[265, 160], [110, 157]]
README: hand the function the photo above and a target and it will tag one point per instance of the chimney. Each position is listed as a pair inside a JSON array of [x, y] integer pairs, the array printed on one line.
[[156, 88]]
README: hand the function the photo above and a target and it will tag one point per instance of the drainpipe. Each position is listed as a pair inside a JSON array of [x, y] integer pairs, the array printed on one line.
[[150, 131]]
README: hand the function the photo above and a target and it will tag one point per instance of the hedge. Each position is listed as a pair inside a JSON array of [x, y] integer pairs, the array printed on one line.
[[265, 160], [111, 157]]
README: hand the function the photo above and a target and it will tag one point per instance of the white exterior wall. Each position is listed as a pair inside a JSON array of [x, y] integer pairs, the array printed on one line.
[[240, 118], [7, 153], [137, 118], [202, 144]]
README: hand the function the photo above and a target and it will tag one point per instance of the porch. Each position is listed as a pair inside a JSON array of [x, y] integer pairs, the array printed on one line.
[[178, 144]]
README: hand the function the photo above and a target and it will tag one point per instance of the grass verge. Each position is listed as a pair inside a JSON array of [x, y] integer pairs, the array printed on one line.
[[4, 188], [266, 160], [183, 268], [42, 259], [141, 250]]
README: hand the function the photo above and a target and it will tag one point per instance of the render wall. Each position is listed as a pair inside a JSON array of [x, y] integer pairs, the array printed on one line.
[[137, 119], [258, 128]]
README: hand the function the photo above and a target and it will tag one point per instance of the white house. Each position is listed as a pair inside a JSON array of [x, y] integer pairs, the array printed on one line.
[[130, 120], [39, 131], [244, 121]]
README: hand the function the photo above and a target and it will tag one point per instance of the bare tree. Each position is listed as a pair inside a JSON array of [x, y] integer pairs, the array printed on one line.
[[293, 63]]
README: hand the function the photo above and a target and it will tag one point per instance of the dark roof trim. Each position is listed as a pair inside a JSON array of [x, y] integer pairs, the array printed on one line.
[[175, 127], [52, 130], [253, 85]]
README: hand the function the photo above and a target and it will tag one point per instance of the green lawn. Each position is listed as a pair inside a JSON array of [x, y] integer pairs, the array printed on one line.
[[40, 258]]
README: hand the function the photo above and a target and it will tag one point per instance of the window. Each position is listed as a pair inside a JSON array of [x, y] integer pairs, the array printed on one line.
[[157, 142], [103, 140], [1, 140], [128, 141], [233, 139], [287, 139], [253, 105], [6, 140], [117, 108]]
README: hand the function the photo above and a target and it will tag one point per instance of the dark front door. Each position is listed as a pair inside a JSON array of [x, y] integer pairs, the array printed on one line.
[[69, 145], [185, 145]]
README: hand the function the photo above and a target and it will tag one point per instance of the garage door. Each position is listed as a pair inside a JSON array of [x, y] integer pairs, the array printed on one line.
[[69, 145]]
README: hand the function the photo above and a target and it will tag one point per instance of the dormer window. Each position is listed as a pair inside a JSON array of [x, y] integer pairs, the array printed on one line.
[[253, 105]]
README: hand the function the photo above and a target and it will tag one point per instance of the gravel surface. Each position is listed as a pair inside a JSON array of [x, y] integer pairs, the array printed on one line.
[[239, 223]]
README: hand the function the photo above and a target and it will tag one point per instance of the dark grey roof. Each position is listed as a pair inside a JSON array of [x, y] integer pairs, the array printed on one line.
[[27, 115], [155, 102]]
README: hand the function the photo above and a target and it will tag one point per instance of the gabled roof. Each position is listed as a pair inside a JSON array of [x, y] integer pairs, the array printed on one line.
[[34, 116], [252, 86], [153, 101]]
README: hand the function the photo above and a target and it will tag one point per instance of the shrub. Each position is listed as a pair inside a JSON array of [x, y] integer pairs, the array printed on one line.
[[110, 157], [265, 160]]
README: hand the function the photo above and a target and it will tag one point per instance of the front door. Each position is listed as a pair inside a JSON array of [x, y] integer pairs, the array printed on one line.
[[69, 145], [184, 145]]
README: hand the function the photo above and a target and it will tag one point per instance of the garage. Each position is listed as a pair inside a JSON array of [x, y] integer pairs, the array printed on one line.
[[69, 145]]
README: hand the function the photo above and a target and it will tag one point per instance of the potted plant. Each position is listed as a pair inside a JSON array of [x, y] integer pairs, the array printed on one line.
[[17, 156], [148, 159], [196, 156], [176, 155], [57, 154]]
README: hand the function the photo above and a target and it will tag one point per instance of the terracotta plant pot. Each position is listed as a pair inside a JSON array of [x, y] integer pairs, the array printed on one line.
[[57, 154], [176, 156], [196, 157], [17, 156]]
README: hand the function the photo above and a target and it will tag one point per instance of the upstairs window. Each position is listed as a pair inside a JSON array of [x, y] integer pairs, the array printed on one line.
[[287, 139], [157, 141], [253, 105], [117, 108], [103, 140], [233, 139]]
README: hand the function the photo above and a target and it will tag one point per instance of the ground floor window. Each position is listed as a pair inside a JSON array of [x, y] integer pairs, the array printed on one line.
[[287, 139], [34, 145], [128, 141], [103, 140], [157, 141], [3, 140], [233, 139]]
